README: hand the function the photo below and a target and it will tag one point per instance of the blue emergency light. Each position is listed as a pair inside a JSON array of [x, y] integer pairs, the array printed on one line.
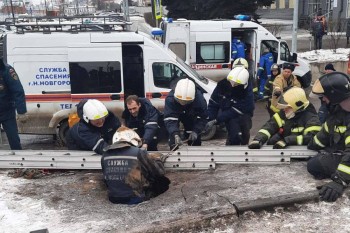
[[157, 32], [242, 17]]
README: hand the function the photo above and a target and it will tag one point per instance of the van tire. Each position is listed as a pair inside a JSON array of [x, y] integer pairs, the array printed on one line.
[[209, 134], [62, 131]]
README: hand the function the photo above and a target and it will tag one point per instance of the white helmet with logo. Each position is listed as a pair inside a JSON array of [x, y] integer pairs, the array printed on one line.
[[94, 110], [238, 76], [185, 91], [124, 134], [240, 62]]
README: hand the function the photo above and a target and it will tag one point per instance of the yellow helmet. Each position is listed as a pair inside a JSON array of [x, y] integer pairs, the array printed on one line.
[[294, 98]]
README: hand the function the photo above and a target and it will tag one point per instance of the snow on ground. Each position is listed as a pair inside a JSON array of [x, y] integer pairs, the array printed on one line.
[[326, 55]]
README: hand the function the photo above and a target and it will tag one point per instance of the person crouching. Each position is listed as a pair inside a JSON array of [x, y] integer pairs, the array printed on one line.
[[131, 174]]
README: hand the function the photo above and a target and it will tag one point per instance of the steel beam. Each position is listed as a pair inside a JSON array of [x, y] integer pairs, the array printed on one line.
[[187, 158]]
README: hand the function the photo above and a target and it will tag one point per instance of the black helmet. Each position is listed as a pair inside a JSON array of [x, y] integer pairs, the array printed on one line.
[[335, 86]]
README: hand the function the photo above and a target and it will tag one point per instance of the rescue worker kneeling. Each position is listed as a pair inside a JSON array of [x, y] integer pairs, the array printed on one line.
[[131, 174], [333, 141], [295, 125], [232, 103]]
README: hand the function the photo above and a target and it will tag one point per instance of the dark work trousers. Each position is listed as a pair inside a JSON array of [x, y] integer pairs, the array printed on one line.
[[324, 164], [10, 127], [238, 130], [153, 145], [318, 42]]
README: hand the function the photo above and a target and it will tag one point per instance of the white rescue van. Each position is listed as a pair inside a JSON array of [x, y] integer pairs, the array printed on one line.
[[58, 68], [206, 46]]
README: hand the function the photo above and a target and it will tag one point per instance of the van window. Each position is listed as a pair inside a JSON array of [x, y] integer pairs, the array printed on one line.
[[212, 52], [95, 77], [272, 46], [179, 49], [165, 73], [285, 53]]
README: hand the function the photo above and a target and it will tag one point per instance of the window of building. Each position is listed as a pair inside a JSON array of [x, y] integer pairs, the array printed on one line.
[[179, 49], [212, 52], [165, 74], [314, 5], [95, 77]]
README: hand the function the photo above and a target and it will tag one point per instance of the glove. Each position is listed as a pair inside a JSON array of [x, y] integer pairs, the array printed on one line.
[[210, 125], [255, 144], [281, 144], [277, 93], [144, 147], [193, 136], [331, 191], [178, 141], [22, 118]]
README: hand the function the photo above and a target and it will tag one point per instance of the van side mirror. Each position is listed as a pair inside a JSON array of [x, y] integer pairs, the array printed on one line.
[[294, 58]]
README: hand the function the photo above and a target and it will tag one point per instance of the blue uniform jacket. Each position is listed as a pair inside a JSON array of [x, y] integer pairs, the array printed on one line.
[[266, 61], [117, 165], [226, 102], [146, 123], [238, 49], [196, 111], [84, 136], [11, 92]]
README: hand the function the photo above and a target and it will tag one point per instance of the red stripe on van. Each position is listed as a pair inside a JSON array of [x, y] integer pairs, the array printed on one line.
[[163, 95], [48, 97], [209, 66], [68, 97]]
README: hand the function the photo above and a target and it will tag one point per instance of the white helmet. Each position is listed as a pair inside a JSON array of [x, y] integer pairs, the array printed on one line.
[[185, 91], [238, 75], [124, 134], [240, 62], [94, 110]]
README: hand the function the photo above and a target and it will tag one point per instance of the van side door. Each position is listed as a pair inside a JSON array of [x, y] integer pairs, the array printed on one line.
[[96, 73], [177, 39]]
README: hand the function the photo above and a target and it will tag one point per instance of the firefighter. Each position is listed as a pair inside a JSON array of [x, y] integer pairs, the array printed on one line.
[[333, 141], [12, 98], [187, 105], [275, 71], [143, 117], [132, 175], [264, 71], [282, 83], [238, 49], [295, 125], [323, 110], [232, 103], [95, 129]]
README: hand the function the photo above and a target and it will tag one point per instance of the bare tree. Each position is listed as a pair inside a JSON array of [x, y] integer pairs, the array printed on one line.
[[336, 30]]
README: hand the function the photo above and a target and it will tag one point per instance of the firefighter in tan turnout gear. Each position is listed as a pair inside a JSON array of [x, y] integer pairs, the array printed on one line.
[[295, 125], [333, 141]]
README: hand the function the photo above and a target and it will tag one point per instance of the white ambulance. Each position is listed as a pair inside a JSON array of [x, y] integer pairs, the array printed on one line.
[[60, 67], [206, 46]]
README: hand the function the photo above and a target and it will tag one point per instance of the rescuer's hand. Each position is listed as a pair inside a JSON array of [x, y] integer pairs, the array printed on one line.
[[178, 141], [331, 192], [193, 136], [210, 125], [22, 118], [255, 144], [277, 93]]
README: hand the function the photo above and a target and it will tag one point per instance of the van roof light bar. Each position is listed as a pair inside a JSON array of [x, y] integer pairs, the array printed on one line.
[[72, 24]]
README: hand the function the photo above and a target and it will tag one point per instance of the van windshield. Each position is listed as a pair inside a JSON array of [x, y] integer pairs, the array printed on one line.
[[190, 70]]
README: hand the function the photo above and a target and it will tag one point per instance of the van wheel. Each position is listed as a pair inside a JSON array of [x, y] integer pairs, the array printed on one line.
[[209, 134], [62, 131]]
